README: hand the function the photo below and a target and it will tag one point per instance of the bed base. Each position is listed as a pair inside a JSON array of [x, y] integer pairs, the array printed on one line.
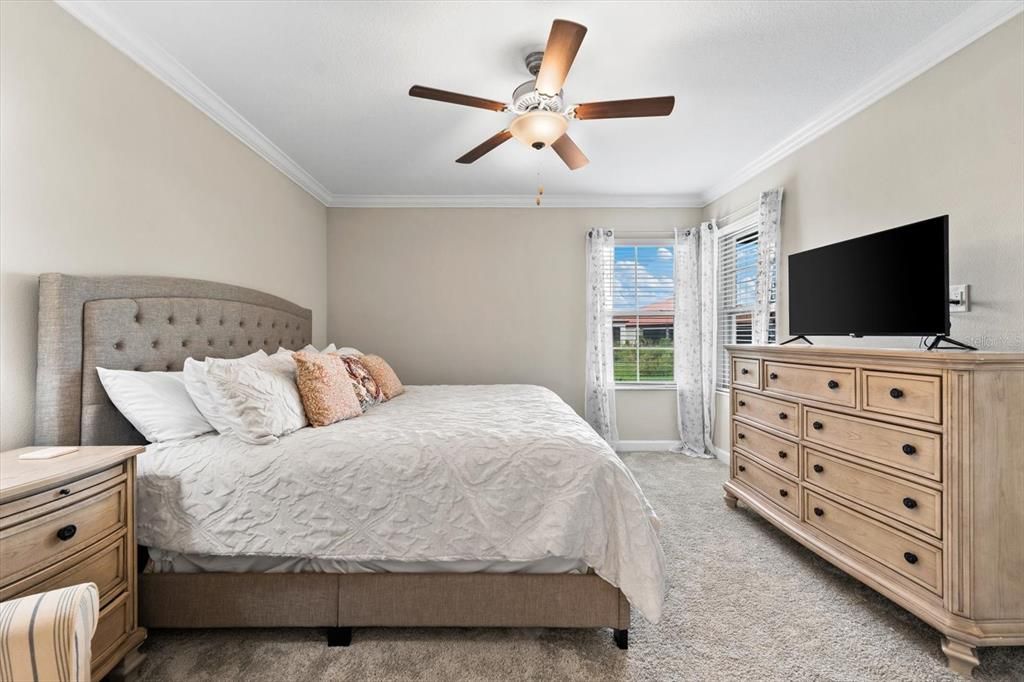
[[340, 602]]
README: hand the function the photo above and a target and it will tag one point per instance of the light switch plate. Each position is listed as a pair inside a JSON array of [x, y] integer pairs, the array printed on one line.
[[959, 298]]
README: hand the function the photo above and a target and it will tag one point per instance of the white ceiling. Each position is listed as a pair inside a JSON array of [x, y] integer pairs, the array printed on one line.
[[326, 84]]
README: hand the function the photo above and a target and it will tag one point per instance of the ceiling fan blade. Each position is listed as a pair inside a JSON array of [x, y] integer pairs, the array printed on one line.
[[569, 152], [484, 147], [455, 98], [563, 43], [626, 108]]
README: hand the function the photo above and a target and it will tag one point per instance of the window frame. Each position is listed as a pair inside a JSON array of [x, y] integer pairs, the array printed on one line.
[[639, 242]]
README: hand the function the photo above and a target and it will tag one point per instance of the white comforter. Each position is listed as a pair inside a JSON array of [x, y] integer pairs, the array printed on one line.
[[441, 473]]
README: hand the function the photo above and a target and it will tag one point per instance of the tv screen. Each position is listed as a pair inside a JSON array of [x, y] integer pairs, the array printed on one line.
[[891, 283]]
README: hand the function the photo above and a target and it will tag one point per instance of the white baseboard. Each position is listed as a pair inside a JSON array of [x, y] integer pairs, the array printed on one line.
[[721, 454], [641, 445]]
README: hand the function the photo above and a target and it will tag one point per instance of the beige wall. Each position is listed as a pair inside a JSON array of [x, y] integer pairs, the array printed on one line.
[[482, 296], [105, 170], [950, 141]]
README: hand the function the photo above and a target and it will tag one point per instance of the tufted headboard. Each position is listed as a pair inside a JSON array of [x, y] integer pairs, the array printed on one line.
[[140, 323]]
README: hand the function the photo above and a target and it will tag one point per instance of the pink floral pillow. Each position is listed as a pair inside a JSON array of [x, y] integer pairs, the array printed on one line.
[[367, 390]]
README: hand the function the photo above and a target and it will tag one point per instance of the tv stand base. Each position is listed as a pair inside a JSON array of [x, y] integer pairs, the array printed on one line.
[[798, 338], [953, 344]]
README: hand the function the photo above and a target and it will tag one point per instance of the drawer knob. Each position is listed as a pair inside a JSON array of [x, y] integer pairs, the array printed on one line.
[[818, 468], [741, 467], [742, 403], [783, 492], [741, 436], [783, 454], [833, 384], [818, 511], [895, 393], [64, 491], [910, 557], [773, 376], [783, 416], [744, 371], [67, 532], [818, 426], [908, 449], [909, 502]]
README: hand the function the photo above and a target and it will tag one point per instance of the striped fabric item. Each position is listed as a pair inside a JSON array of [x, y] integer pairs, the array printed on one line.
[[48, 637]]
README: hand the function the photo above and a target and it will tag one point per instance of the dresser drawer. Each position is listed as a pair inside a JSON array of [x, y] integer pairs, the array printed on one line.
[[769, 449], [776, 488], [746, 372], [904, 395], [776, 414], [898, 447], [825, 384], [916, 560], [914, 505], [111, 628], [35, 544], [107, 568]]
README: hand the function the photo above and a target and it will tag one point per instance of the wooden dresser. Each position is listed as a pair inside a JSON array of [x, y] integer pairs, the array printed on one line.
[[904, 468], [70, 520]]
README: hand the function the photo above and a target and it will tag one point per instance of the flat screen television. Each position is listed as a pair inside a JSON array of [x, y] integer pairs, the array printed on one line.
[[890, 283]]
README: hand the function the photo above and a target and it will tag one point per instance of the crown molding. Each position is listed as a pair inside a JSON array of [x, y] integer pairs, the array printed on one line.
[[171, 72], [515, 201], [973, 23]]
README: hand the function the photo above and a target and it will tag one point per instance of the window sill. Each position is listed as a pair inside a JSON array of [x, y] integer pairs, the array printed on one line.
[[644, 387]]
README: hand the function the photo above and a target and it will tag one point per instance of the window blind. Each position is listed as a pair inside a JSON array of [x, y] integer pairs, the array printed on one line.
[[737, 290]]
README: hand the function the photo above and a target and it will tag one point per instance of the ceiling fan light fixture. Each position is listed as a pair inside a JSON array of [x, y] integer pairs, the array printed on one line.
[[538, 129]]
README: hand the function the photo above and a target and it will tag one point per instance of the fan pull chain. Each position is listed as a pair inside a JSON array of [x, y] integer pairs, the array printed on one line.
[[540, 189]]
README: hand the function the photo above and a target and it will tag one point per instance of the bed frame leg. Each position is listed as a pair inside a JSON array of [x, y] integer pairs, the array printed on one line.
[[621, 638], [339, 636]]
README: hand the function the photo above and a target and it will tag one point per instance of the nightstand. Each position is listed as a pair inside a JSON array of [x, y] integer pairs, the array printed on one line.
[[70, 520]]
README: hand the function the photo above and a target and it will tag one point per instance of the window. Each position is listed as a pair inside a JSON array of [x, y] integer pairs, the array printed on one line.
[[737, 290], [643, 312]]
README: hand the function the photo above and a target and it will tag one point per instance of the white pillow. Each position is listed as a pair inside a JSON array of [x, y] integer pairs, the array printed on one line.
[[196, 385], [345, 350], [156, 403], [260, 400]]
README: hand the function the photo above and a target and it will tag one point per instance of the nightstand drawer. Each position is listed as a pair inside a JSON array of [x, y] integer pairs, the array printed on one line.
[[903, 395], [66, 493], [111, 629], [834, 385], [766, 447], [779, 490], [38, 543], [107, 568], [776, 414]]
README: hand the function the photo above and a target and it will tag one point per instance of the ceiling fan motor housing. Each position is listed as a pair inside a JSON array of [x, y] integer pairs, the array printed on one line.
[[526, 98]]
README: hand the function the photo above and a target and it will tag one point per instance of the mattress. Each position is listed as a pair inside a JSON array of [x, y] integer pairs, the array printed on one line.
[[444, 474]]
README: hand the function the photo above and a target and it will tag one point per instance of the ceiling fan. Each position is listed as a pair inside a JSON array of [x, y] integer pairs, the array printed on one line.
[[542, 116]]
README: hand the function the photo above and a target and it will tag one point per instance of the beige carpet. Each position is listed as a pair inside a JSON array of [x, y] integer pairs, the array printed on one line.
[[745, 603]]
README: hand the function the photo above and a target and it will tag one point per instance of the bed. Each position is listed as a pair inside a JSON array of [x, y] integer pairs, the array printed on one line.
[[473, 506]]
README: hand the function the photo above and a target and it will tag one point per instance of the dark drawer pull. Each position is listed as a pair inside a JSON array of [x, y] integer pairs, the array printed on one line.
[[783, 416], [818, 511], [773, 376], [910, 557], [895, 393], [744, 371], [833, 384], [741, 436], [67, 532], [741, 403], [818, 426], [783, 454], [741, 467], [909, 502], [908, 449], [64, 491], [783, 492], [818, 468]]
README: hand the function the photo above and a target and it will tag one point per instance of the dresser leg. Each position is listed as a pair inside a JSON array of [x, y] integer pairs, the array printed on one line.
[[126, 670], [962, 657], [730, 500]]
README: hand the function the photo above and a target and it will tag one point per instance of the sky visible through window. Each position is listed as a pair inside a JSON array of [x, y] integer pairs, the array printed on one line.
[[643, 312]]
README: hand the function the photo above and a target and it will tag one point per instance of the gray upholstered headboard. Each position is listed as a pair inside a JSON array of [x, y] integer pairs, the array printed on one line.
[[140, 323]]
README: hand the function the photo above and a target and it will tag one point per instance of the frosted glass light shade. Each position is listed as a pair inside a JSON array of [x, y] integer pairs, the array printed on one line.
[[538, 129]]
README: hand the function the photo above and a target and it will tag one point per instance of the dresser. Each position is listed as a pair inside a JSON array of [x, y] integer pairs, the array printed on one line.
[[903, 468], [70, 520]]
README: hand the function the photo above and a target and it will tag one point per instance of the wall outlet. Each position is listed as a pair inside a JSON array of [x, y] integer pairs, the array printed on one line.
[[959, 298]]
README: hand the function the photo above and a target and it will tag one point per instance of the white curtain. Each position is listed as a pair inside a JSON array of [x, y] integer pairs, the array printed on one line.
[[694, 337], [600, 402], [769, 217]]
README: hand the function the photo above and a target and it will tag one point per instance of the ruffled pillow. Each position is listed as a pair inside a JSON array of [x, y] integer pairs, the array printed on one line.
[[260, 401], [367, 390], [383, 375], [327, 392]]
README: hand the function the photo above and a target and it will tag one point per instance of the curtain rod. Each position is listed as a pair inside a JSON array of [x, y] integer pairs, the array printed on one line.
[[742, 210]]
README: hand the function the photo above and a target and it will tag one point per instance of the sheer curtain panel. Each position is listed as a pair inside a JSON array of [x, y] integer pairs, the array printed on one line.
[[600, 400], [769, 217]]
